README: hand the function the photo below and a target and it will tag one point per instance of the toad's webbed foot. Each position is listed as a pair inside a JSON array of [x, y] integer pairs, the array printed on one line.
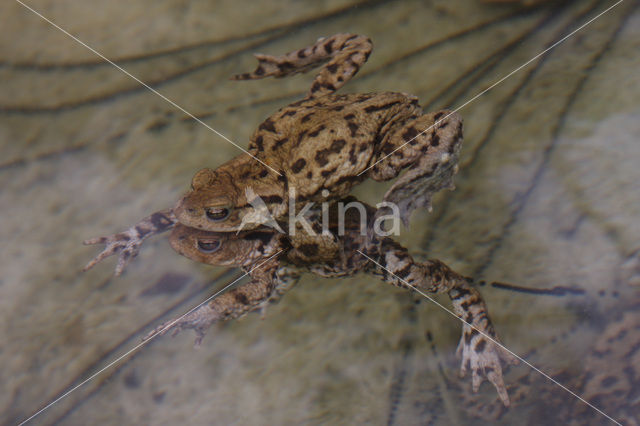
[[127, 244], [199, 320], [483, 357], [123, 244]]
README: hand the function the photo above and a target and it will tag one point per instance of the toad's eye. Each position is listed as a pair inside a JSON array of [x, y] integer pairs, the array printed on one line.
[[208, 246], [217, 214]]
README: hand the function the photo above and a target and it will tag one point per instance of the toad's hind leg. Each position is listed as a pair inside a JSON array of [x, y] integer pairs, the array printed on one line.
[[428, 146], [345, 54], [478, 346]]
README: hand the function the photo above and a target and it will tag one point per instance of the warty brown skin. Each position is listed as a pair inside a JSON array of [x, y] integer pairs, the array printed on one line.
[[393, 264], [320, 146], [324, 144]]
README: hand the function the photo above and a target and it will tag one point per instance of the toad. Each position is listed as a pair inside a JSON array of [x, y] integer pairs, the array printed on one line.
[[315, 150], [274, 266]]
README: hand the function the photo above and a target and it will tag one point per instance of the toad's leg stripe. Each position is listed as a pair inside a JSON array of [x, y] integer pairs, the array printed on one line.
[[501, 346], [345, 54]]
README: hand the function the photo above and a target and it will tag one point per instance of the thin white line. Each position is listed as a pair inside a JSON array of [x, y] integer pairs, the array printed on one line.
[[139, 345], [495, 84], [494, 341], [148, 87]]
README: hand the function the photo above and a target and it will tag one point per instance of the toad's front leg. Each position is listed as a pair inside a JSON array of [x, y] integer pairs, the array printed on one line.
[[127, 244], [263, 288]]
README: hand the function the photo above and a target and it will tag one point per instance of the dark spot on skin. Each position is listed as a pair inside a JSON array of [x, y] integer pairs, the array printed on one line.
[[488, 370], [267, 125], [351, 38], [158, 397], [272, 199], [298, 165], [309, 249], [332, 68], [290, 113], [353, 127], [301, 136], [402, 273], [141, 231], [264, 236], [443, 125], [279, 143], [317, 86], [340, 79], [469, 318], [329, 47], [374, 108], [363, 147], [461, 292], [301, 54], [259, 71], [336, 146], [435, 140], [263, 173], [309, 175], [349, 116], [286, 66], [326, 173], [353, 158], [337, 108], [409, 134], [609, 381], [241, 298], [480, 346], [161, 222], [452, 148], [306, 118], [437, 116], [259, 143], [469, 335], [245, 174], [317, 131]]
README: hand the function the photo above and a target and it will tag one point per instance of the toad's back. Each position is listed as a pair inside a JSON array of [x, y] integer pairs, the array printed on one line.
[[324, 143]]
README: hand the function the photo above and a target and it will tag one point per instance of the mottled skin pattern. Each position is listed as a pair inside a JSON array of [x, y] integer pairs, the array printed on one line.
[[393, 264], [320, 146], [324, 144]]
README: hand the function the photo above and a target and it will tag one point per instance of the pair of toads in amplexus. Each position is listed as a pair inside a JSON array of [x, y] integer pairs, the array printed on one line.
[[306, 158]]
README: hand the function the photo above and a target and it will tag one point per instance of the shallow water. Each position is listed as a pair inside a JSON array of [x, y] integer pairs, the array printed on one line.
[[545, 197]]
